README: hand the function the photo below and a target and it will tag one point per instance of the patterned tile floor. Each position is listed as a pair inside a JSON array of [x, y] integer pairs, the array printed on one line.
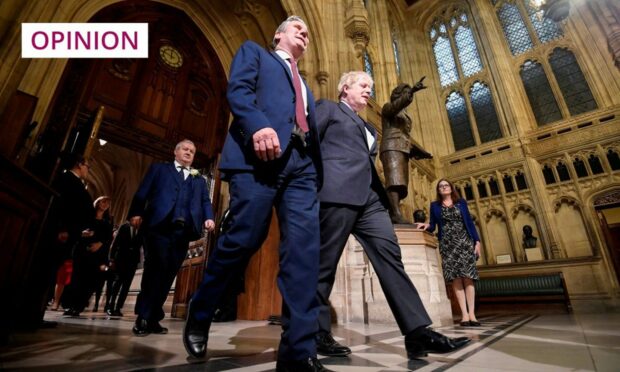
[[565, 342]]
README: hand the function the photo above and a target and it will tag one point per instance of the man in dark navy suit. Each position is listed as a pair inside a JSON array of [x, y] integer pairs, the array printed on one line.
[[124, 260], [271, 159], [173, 202], [348, 148]]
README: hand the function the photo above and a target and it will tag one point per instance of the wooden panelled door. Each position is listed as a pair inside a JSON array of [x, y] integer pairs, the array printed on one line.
[[261, 297]]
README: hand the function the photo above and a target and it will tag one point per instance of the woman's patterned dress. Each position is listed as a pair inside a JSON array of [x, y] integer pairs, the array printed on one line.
[[456, 247]]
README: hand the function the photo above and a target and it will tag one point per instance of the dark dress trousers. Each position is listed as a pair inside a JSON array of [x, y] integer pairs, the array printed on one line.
[[173, 210], [261, 94], [353, 201], [125, 253]]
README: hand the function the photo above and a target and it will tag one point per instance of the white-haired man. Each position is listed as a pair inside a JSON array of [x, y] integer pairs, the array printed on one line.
[[348, 148], [174, 204]]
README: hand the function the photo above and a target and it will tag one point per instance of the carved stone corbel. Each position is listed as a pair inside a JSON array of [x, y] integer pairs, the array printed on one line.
[[357, 27]]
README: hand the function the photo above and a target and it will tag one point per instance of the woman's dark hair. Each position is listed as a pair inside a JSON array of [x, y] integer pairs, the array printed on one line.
[[454, 195]]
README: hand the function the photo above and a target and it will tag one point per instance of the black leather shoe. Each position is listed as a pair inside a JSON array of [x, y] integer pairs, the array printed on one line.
[[474, 323], [195, 334], [141, 328], [310, 365], [71, 312], [117, 313], [326, 345], [428, 341], [155, 327], [109, 312]]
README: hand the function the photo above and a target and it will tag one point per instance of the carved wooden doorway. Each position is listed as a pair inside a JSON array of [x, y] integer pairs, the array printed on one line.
[[149, 105], [607, 208]]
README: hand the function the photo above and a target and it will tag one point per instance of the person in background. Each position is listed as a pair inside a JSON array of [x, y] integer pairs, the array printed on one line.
[[124, 260], [173, 203], [90, 258], [459, 246], [72, 210]]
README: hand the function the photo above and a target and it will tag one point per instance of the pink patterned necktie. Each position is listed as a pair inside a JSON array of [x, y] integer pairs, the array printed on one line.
[[300, 111]]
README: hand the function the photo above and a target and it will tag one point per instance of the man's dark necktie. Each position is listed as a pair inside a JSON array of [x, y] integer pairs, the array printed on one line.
[[181, 169], [300, 111]]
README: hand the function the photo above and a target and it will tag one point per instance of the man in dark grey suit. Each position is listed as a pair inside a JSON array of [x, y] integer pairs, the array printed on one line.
[[353, 201]]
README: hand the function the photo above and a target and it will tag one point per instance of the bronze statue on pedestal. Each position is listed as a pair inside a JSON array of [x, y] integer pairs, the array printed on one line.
[[396, 147]]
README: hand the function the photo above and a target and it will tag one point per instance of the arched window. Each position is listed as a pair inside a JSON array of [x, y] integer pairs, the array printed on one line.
[[548, 174], [580, 167], [470, 107], [459, 121], [396, 50], [552, 96], [613, 159], [508, 185], [369, 70], [524, 25], [539, 93], [572, 83]]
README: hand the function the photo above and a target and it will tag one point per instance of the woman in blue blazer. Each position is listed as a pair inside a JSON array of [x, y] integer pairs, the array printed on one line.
[[459, 246]]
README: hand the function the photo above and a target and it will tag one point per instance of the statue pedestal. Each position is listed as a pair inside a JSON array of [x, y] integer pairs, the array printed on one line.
[[357, 294], [533, 254]]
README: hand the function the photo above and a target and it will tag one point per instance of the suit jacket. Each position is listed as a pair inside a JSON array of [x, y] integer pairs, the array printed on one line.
[[261, 95], [156, 197], [125, 250], [436, 219], [348, 163]]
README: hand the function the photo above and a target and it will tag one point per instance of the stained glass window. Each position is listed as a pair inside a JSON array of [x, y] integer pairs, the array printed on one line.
[[545, 28], [369, 70], [613, 159], [396, 54], [459, 121], [539, 93], [446, 67], [573, 84], [514, 29], [468, 54], [484, 112]]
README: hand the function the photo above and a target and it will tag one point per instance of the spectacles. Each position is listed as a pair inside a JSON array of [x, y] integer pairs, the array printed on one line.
[[443, 186]]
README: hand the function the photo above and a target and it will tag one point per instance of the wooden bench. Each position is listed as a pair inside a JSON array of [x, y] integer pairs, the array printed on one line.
[[536, 289]]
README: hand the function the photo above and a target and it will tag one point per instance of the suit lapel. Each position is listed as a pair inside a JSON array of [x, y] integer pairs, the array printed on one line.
[[361, 125], [284, 66], [174, 173]]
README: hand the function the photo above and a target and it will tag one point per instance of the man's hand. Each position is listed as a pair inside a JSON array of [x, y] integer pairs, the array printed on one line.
[[422, 226], [419, 85], [88, 233], [210, 225], [266, 144]]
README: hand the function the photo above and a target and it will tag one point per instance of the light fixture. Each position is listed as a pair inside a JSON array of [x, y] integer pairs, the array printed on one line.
[[102, 142]]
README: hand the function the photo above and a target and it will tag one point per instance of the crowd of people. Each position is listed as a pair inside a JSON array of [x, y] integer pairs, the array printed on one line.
[[315, 164]]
